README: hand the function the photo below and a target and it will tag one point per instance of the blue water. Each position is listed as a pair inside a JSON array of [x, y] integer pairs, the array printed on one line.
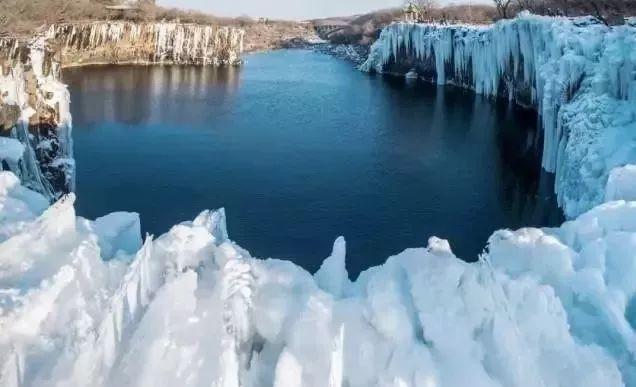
[[300, 148]]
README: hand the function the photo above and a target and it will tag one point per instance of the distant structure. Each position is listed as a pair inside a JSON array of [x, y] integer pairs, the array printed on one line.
[[126, 8], [412, 12]]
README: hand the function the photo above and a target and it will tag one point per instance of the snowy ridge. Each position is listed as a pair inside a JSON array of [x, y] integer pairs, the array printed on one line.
[[579, 75], [163, 42], [36, 107], [87, 303]]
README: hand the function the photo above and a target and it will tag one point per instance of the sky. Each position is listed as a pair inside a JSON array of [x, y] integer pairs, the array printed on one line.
[[285, 9]]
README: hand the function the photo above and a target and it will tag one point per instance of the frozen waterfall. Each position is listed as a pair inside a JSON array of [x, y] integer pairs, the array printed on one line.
[[578, 74], [34, 107], [161, 42]]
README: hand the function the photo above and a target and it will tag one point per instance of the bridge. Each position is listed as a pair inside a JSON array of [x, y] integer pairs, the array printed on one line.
[[325, 30]]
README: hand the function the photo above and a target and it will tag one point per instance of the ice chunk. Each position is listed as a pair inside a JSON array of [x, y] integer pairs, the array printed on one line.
[[551, 307], [117, 232], [332, 277], [621, 184], [11, 149], [289, 372]]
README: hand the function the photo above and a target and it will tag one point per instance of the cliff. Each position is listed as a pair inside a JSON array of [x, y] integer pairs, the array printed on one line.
[[34, 110], [579, 75], [145, 43]]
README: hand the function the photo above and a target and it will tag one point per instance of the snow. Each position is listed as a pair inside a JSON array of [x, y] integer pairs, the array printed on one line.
[[89, 303], [579, 75], [11, 150]]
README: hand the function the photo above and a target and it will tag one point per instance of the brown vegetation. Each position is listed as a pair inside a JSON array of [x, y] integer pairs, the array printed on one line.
[[430, 11], [365, 28], [463, 13], [22, 17]]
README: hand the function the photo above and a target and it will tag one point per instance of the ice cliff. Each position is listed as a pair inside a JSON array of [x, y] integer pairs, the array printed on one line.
[[163, 42], [35, 120], [578, 74]]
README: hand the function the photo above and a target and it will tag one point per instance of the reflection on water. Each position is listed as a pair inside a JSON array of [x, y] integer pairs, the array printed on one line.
[[138, 94], [300, 148]]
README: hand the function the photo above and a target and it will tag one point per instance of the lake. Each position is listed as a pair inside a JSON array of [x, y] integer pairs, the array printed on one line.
[[300, 147]]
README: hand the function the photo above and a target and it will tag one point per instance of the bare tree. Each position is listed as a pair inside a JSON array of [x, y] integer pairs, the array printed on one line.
[[610, 12], [503, 7], [427, 5]]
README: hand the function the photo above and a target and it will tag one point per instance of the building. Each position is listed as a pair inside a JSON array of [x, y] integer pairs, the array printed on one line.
[[412, 12]]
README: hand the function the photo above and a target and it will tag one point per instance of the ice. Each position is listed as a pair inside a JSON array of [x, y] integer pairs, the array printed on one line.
[[32, 78], [579, 75], [332, 277], [11, 150], [92, 303], [621, 184], [18, 205], [87, 303]]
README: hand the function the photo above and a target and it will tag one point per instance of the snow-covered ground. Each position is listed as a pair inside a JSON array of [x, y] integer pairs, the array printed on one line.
[[92, 303], [580, 75]]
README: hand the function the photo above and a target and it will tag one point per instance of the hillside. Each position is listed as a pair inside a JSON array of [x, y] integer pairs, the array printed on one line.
[[23, 18], [364, 29]]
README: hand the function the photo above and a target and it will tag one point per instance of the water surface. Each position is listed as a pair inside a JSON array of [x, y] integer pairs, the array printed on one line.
[[300, 148]]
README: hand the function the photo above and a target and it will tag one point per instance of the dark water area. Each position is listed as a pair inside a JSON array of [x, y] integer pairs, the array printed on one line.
[[300, 148]]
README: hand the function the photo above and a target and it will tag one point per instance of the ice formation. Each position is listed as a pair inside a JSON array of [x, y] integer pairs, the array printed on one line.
[[34, 111], [88, 303], [163, 42], [621, 184], [578, 74], [11, 150]]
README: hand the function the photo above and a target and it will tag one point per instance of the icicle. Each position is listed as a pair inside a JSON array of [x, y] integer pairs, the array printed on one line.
[[337, 360], [548, 61]]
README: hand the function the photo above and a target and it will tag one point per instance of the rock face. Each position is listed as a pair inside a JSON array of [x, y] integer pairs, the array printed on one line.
[[578, 74], [34, 109], [145, 43]]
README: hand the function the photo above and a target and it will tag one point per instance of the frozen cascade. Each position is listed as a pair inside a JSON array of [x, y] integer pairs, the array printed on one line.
[[162, 42], [34, 110], [578, 74]]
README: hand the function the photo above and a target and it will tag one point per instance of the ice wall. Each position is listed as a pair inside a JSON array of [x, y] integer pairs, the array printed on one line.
[[88, 303], [34, 111], [163, 42], [578, 74]]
